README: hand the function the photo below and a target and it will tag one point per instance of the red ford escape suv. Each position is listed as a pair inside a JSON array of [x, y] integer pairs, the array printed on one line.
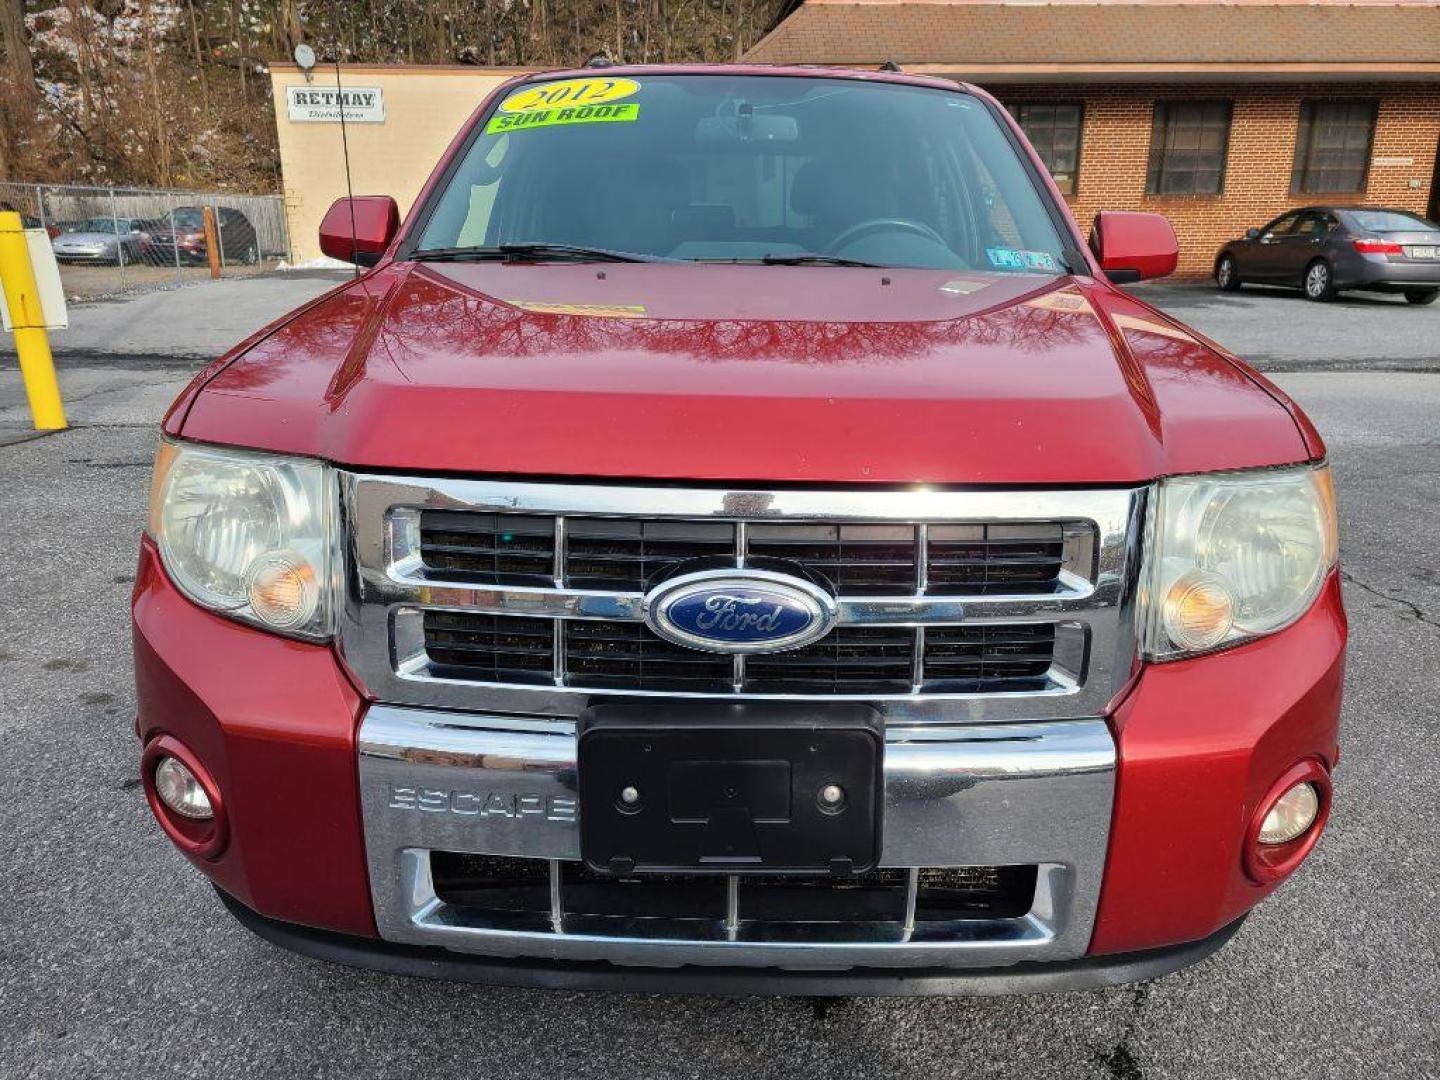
[[735, 536]]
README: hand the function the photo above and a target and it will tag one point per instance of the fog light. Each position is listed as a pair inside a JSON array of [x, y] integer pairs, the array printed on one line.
[[1199, 611], [282, 590], [179, 789], [1293, 813]]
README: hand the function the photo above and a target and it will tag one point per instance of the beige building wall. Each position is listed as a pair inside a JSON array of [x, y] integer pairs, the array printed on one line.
[[424, 108]]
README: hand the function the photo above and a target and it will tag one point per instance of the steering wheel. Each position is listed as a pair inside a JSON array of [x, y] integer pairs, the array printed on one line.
[[881, 224]]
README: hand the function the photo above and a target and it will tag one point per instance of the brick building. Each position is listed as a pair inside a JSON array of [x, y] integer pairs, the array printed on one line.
[[1218, 115]]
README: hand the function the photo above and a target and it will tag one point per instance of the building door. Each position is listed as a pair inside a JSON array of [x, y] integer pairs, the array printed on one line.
[[1434, 212]]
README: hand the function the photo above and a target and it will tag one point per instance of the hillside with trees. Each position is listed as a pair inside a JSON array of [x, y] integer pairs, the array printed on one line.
[[175, 93]]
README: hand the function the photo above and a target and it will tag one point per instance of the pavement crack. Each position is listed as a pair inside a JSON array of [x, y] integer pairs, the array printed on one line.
[[1415, 612], [89, 464], [1119, 1061]]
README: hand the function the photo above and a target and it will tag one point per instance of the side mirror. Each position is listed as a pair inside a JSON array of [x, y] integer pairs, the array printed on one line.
[[376, 220], [1132, 247], [1252, 234]]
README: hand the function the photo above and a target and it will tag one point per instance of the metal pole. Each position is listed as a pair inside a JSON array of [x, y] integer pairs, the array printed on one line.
[[40, 205], [219, 233], [212, 240], [32, 345], [285, 227], [174, 239], [345, 151], [119, 240]]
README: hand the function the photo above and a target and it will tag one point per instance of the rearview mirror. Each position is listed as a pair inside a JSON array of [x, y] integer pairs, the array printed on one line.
[[359, 230], [747, 126], [1133, 246]]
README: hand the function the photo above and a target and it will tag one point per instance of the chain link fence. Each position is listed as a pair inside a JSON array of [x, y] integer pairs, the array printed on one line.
[[116, 240]]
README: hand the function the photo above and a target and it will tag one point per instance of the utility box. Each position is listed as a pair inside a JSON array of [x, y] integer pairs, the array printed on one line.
[[47, 280]]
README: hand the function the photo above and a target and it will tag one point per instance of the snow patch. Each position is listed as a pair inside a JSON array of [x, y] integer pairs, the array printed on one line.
[[324, 262]]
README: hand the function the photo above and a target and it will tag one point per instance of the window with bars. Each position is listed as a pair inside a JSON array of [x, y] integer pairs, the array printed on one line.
[[1054, 130], [1187, 148], [1332, 147]]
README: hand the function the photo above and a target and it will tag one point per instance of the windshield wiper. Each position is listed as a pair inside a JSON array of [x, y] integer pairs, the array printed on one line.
[[533, 250], [808, 258], [795, 258]]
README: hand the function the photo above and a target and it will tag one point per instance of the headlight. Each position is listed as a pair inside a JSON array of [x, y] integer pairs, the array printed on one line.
[[1235, 556], [246, 534]]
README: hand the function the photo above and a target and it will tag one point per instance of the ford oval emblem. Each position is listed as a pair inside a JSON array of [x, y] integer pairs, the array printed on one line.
[[740, 611]]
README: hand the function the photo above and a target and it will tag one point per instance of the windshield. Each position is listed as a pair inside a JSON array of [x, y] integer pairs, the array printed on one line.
[[187, 219], [739, 168], [1389, 221], [94, 224]]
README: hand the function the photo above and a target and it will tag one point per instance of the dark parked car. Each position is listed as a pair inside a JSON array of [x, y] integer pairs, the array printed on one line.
[[181, 236], [1324, 249]]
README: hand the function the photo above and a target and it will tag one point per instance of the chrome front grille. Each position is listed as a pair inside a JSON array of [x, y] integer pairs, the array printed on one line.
[[529, 599]]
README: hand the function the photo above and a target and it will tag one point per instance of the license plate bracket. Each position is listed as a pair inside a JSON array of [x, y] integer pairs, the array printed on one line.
[[730, 788]]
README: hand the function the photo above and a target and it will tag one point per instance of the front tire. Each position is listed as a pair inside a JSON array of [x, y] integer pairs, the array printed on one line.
[[1319, 281], [1421, 296], [1227, 274]]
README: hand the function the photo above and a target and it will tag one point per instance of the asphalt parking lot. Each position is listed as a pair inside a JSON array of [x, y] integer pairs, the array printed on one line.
[[116, 959]]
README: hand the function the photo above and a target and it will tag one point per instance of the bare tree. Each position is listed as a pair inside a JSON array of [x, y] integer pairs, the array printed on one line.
[[190, 76], [19, 64]]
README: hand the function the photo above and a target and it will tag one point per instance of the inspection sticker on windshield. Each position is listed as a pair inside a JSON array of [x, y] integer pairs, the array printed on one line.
[[1012, 259]]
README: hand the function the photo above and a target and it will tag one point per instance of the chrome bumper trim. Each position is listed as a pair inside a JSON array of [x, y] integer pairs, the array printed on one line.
[[988, 794]]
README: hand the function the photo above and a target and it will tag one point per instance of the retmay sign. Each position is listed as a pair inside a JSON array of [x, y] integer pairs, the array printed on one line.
[[321, 104]]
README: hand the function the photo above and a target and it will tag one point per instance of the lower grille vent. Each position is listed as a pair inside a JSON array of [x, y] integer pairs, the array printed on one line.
[[520, 893]]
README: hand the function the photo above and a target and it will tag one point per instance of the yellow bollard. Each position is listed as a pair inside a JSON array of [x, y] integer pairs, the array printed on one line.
[[22, 297]]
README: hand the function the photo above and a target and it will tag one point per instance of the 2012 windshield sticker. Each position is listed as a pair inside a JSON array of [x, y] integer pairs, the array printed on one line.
[[553, 95], [619, 112], [567, 101]]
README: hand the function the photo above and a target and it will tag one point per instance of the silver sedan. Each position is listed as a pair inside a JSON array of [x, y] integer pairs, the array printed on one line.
[[100, 240]]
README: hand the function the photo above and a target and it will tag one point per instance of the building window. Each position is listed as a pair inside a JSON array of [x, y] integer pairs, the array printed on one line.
[[1332, 147], [1054, 131], [1187, 148]]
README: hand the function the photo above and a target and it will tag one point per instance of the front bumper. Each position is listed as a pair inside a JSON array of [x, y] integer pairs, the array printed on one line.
[[1025, 977], [77, 256], [163, 253], [1135, 820], [979, 795]]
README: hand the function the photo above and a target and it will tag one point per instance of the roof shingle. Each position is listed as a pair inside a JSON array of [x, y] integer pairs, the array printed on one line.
[[962, 32]]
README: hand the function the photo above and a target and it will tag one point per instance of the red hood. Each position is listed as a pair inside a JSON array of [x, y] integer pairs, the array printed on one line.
[[743, 373]]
